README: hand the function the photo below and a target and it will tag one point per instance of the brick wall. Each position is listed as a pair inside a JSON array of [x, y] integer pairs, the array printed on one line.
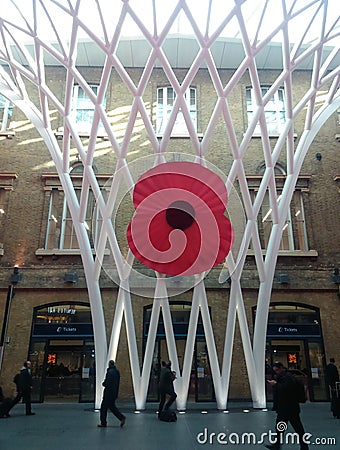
[[27, 155]]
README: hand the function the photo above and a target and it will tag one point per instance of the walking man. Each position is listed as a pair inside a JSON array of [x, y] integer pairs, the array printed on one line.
[[286, 405], [24, 383], [111, 388], [166, 387], [332, 375]]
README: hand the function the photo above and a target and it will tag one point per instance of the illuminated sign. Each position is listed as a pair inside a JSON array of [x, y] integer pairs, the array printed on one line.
[[60, 310], [61, 330], [292, 358], [51, 358]]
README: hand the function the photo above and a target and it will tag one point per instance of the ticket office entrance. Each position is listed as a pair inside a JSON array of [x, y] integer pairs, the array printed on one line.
[[62, 354], [294, 337], [201, 385]]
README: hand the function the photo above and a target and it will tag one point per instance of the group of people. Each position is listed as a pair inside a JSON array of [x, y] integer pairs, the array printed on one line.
[[285, 400], [24, 384], [111, 388]]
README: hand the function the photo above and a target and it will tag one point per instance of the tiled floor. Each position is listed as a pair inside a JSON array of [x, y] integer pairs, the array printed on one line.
[[74, 427]]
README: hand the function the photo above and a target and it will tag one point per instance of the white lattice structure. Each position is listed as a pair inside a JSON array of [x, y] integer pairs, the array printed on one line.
[[24, 52]]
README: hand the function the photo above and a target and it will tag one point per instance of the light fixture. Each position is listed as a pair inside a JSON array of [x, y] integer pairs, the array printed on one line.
[[283, 278], [336, 276], [16, 276], [71, 277]]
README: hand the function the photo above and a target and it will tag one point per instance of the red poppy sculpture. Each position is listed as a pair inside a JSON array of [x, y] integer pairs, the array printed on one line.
[[179, 227]]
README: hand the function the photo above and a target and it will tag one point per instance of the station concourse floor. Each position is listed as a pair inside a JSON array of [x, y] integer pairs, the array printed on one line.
[[73, 426]]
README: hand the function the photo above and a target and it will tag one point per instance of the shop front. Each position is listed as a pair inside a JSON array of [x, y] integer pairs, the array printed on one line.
[[62, 353]]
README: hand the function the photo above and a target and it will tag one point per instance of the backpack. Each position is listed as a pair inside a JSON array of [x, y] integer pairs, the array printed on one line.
[[167, 416], [17, 379], [300, 391]]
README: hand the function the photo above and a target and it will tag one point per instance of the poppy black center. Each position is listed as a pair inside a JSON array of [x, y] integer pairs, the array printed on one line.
[[180, 214]]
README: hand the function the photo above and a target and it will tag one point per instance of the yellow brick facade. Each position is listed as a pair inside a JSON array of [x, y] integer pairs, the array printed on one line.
[[23, 225]]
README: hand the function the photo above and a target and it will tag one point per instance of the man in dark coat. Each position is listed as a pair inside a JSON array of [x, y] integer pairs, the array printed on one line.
[[24, 384], [285, 403], [166, 387], [332, 375], [111, 388]]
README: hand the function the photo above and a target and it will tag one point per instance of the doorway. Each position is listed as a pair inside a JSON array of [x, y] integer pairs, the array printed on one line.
[[200, 384], [63, 371], [294, 338], [62, 353]]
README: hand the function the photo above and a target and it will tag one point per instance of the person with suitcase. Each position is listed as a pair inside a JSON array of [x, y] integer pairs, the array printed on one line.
[[166, 387]]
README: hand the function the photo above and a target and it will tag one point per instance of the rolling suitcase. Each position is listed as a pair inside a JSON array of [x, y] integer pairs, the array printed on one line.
[[167, 416]]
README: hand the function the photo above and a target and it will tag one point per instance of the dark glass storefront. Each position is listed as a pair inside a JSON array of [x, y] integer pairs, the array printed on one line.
[[201, 385], [294, 337], [62, 353]]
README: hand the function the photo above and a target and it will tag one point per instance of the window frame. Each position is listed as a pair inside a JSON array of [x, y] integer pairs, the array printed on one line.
[[295, 233], [52, 242], [5, 117], [84, 126], [166, 104], [278, 112]]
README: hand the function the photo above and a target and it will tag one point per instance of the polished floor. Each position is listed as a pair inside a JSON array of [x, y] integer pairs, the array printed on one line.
[[74, 427]]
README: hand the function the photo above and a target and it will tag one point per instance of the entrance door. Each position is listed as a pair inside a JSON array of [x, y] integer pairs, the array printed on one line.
[[204, 384], [317, 368], [63, 370], [200, 385], [292, 354], [303, 359]]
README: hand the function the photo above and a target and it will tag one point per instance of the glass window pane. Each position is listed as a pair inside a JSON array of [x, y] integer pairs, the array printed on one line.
[[84, 110], [274, 110], [6, 109], [164, 110], [54, 221]]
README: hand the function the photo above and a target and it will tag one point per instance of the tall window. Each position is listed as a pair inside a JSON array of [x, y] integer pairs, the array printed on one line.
[[83, 110], [165, 101], [60, 233], [294, 232], [6, 108], [274, 110], [294, 235]]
